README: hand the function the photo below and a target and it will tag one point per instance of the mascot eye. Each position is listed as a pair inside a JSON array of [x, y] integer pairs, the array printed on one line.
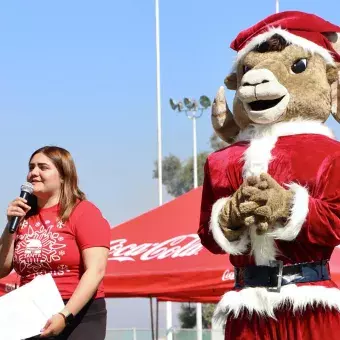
[[299, 66], [246, 69]]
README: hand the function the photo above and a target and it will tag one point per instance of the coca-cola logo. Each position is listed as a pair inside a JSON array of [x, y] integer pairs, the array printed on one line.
[[179, 246], [228, 275]]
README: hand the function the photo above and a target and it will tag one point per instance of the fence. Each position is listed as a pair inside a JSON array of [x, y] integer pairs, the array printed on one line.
[[145, 334]]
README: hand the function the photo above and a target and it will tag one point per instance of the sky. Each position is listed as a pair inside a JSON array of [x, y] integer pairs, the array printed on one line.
[[82, 75]]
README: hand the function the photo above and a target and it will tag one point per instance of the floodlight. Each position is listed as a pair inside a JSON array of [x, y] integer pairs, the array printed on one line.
[[205, 101], [173, 104], [187, 103], [190, 104]]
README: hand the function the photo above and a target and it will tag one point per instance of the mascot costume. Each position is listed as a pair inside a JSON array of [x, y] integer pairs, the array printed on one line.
[[272, 198]]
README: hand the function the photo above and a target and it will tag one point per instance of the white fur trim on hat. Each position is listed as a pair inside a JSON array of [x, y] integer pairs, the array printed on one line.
[[290, 38]]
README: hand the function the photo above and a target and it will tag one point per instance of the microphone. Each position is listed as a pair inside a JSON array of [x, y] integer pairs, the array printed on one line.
[[26, 191]]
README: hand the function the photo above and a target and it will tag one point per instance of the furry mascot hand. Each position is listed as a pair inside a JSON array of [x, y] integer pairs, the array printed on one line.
[[238, 213], [230, 218], [274, 202]]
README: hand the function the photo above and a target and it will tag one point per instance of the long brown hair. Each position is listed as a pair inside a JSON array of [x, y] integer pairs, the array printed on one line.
[[70, 194]]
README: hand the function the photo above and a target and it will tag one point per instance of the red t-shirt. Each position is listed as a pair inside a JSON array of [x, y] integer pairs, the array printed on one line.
[[46, 245]]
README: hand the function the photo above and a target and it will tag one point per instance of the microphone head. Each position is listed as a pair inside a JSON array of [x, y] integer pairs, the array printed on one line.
[[27, 187]]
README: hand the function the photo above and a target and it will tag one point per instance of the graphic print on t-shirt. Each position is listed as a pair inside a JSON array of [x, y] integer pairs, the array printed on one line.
[[38, 247]]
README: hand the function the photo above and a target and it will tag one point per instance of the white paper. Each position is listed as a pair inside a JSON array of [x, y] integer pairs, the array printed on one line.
[[25, 310]]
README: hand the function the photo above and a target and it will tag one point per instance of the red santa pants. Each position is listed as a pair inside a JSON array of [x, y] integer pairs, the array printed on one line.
[[314, 323]]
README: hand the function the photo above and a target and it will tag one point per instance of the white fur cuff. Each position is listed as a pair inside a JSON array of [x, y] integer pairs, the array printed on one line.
[[298, 215], [234, 248]]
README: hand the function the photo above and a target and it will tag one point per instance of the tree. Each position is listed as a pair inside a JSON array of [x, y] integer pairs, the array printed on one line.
[[187, 315], [178, 175], [207, 314], [178, 179], [216, 143]]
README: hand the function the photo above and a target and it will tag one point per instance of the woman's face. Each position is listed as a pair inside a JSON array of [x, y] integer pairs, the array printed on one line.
[[44, 176]]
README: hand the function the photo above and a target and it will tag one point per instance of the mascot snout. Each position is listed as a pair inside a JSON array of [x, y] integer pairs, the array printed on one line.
[[264, 98]]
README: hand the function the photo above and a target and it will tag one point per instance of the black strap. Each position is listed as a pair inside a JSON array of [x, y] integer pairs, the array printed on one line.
[[276, 274]]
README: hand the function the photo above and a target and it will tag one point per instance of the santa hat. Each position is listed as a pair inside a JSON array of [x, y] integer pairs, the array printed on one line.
[[298, 28]]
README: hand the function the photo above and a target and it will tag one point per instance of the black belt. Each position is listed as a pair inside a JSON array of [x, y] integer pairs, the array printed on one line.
[[276, 274]]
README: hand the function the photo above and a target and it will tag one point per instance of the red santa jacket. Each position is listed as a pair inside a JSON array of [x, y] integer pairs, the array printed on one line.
[[303, 156]]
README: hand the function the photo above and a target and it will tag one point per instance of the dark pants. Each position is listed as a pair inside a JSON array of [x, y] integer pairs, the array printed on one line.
[[89, 323]]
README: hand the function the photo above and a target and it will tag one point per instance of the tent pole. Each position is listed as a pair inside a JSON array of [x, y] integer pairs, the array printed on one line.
[[157, 318], [151, 315], [199, 321]]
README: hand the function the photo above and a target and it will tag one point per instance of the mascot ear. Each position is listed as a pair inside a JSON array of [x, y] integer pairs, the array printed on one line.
[[230, 81], [334, 76]]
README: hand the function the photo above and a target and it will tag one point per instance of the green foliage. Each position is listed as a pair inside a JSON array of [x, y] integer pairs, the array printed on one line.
[[207, 314], [216, 143], [178, 175], [187, 315]]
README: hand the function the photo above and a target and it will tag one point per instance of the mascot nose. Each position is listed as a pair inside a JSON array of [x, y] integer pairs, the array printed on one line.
[[254, 84], [257, 77]]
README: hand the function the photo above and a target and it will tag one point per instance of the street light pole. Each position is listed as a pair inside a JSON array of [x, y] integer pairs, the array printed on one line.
[[277, 6], [194, 143], [193, 111], [199, 326], [159, 147], [159, 108]]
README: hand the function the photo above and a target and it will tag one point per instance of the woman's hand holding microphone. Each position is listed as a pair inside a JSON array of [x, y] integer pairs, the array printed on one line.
[[17, 208]]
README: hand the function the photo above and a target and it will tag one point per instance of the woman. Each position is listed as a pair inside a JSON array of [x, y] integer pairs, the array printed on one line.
[[63, 234]]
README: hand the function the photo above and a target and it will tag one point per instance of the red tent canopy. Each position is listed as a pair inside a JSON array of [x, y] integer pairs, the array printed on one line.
[[159, 254]]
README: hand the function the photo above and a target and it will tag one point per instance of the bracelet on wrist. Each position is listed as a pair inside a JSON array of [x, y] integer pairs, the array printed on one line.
[[64, 317]]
